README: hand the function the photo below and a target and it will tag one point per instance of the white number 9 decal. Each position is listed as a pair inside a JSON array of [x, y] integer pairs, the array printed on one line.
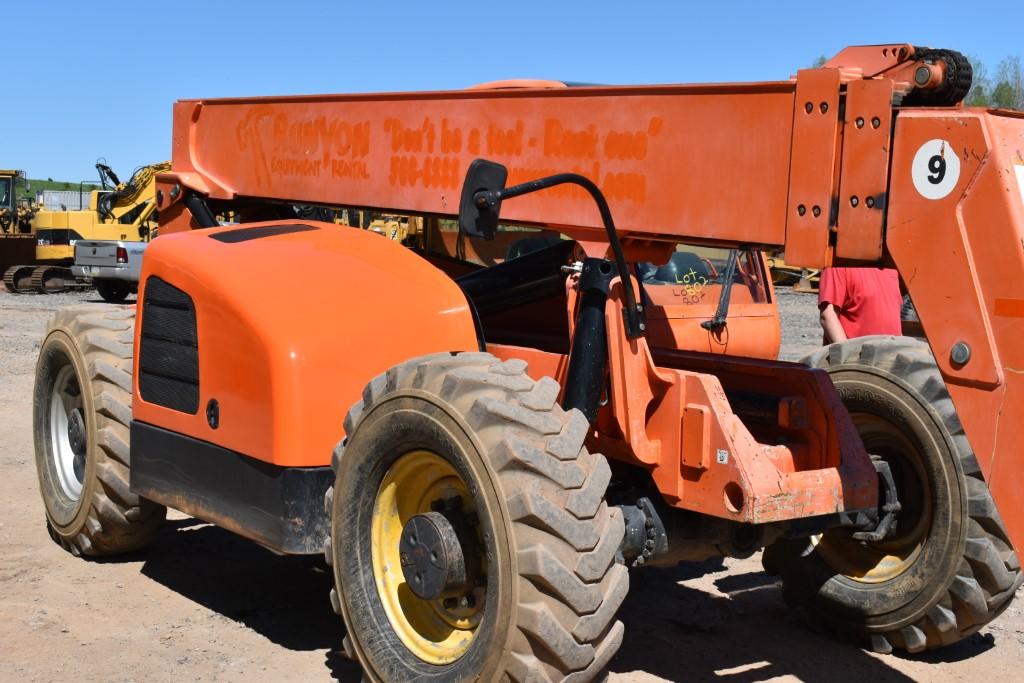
[[936, 169]]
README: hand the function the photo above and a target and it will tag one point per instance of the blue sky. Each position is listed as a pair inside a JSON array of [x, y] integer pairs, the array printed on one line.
[[98, 79]]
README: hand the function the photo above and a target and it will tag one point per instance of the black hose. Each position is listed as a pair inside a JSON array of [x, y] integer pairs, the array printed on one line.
[[635, 325], [722, 312]]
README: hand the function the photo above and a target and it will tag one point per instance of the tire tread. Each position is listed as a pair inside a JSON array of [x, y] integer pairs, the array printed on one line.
[[565, 537], [990, 571], [117, 521]]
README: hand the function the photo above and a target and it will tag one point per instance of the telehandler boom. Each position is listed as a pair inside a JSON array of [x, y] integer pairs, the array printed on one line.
[[473, 530]]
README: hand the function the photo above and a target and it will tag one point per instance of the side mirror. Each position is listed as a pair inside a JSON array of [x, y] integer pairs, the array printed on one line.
[[480, 204]]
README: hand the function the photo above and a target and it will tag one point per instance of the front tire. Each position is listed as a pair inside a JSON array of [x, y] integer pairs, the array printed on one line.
[[81, 417], [546, 589], [949, 568]]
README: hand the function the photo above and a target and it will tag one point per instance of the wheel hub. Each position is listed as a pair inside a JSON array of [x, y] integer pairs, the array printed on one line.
[[428, 555], [76, 431], [432, 558], [68, 442], [439, 552]]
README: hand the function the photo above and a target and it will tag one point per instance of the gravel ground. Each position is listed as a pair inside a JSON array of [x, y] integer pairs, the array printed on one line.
[[205, 605], [801, 331]]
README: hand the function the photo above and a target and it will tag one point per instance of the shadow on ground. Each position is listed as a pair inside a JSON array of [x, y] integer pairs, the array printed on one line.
[[681, 633], [284, 599], [673, 631]]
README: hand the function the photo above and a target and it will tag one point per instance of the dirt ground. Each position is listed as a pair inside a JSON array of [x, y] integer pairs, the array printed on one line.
[[204, 605]]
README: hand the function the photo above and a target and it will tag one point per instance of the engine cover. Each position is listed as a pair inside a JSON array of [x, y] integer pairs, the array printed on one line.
[[262, 336]]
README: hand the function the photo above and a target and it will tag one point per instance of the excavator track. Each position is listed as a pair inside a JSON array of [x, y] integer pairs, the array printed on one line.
[[17, 279], [52, 280]]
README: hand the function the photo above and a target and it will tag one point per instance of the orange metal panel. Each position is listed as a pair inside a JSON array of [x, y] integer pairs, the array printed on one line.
[[871, 59], [277, 330], [703, 449], [696, 436], [673, 160], [928, 238], [812, 174], [864, 179], [958, 238]]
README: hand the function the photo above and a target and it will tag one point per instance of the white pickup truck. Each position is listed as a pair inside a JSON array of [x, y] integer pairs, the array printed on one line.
[[114, 267]]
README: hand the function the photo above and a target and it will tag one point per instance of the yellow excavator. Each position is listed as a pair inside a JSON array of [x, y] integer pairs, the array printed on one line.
[[123, 211]]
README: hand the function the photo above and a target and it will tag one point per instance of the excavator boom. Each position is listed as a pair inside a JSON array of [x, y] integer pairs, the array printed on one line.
[[127, 197]]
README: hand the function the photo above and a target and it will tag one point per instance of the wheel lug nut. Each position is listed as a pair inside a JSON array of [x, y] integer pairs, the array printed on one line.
[[467, 601]]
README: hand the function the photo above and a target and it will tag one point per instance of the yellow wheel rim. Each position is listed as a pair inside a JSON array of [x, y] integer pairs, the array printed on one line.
[[435, 631], [885, 560]]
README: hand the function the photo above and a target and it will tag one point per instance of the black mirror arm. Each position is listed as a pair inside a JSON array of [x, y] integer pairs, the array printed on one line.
[[635, 325]]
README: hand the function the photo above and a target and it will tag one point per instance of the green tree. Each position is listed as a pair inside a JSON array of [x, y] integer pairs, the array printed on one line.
[[1009, 90], [1003, 96], [819, 62], [980, 94]]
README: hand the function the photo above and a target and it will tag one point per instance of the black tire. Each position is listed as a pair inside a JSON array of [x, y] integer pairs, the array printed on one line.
[[112, 291], [86, 357], [963, 571], [552, 587]]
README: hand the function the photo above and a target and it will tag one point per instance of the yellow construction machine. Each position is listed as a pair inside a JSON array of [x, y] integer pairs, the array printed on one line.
[[17, 242], [393, 226], [123, 211], [785, 275]]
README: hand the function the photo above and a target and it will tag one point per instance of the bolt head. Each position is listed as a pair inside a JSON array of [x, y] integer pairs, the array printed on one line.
[[960, 354]]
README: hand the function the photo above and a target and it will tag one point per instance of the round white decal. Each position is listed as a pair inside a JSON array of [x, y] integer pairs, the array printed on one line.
[[936, 169]]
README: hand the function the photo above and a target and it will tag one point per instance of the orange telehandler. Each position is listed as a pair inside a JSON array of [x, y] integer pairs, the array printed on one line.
[[433, 426]]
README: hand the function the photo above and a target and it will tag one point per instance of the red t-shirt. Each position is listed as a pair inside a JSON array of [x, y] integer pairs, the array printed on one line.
[[867, 300]]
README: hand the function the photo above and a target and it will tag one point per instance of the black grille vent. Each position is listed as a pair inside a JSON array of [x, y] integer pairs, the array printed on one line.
[[169, 353]]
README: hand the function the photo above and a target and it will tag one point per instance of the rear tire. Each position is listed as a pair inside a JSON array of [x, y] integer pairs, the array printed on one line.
[[949, 569], [112, 291], [82, 412], [543, 606]]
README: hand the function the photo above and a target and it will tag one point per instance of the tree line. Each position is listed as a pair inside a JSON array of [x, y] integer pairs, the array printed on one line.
[[1005, 90]]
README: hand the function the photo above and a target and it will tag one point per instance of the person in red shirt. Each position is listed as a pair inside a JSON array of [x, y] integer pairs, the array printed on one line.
[[856, 302]]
